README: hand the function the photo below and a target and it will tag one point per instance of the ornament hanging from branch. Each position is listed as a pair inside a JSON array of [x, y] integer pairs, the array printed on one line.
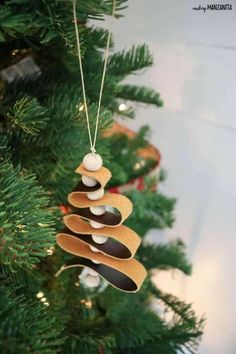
[[96, 236]]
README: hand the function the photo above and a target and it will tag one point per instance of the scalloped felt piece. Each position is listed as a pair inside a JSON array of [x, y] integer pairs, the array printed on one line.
[[125, 275], [122, 243], [117, 201], [102, 176]]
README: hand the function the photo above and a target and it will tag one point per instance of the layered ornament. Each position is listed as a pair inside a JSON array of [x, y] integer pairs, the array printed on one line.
[[95, 234]]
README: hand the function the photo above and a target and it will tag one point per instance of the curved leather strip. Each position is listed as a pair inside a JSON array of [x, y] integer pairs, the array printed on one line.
[[126, 275], [117, 201], [110, 247], [119, 280], [128, 239], [102, 176]]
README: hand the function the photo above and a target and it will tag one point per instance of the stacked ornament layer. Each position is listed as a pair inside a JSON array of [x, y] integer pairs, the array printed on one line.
[[95, 234]]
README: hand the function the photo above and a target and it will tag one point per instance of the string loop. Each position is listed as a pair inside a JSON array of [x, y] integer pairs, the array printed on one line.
[[93, 140]]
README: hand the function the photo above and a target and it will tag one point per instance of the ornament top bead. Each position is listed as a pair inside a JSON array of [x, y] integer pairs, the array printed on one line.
[[92, 162]]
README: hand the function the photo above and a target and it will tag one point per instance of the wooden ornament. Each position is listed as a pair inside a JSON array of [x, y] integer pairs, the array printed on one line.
[[91, 281], [99, 239], [96, 195], [111, 256], [88, 181], [98, 210], [92, 162]]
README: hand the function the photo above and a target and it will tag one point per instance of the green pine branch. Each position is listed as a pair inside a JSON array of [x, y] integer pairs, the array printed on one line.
[[169, 256], [127, 62], [49, 19], [26, 325], [139, 94], [151, 211], [96, 8], [97, 35], [25, 225], [13, 24], [125, 163], [145, 330], [28, 115], [185, 328]]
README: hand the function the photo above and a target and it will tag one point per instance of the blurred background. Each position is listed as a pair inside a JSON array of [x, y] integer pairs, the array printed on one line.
[[195, 72]]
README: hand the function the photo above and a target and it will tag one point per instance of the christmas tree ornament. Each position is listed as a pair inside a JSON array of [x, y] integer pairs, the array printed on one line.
[[100, 242], [95, 234]]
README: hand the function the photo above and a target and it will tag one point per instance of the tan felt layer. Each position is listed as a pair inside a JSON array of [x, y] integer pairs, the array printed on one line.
[[102, 175], [121, 233], [117, 201], [131, 268]]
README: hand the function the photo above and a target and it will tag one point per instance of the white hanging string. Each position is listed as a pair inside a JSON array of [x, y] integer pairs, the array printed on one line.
[[92, 141]]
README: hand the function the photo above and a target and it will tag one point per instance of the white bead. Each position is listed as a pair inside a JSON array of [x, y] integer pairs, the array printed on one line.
[[95, 224], [96, 195], [98, 210], [99, 239], [94, 249], [92, 272], [88, 181], [83, 273], [90, 280], [87, 271], [94, 261], [92, 162]]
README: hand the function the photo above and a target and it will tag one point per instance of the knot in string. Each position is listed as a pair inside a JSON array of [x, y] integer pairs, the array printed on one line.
[[93, 149]]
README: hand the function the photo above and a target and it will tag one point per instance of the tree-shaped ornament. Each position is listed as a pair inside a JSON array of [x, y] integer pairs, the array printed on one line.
[[96, 236]]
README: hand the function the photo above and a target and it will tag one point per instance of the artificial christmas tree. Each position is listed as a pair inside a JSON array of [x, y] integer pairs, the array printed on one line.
[[42, 139]]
